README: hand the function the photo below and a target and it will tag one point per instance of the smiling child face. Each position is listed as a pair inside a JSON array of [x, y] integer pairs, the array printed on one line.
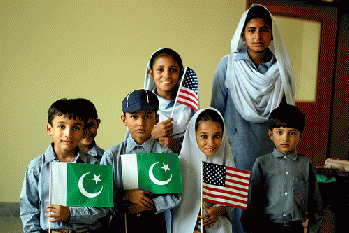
[[209, 137]]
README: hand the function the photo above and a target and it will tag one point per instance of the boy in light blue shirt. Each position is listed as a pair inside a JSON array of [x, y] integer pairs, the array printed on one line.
[[66, 125], [144, 210]]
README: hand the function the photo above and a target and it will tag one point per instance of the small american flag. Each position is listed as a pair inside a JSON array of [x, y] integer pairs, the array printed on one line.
[[189, 90], [225, 185]]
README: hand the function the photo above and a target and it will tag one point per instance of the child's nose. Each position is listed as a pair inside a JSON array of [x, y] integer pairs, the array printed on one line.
[[67, 132]]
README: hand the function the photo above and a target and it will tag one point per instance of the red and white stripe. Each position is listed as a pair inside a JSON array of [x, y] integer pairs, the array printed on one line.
[[188, 97], [235, 191]]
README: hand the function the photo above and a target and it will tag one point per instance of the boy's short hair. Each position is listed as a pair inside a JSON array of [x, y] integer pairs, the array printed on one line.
[[287, 116], [89, 108], [140, 100], [70, 107]]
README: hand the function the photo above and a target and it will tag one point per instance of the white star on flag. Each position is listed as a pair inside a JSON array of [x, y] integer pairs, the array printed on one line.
[[165, 167], [96, 178]]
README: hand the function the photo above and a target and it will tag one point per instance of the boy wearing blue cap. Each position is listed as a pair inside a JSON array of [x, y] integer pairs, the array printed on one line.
[[143, 209]]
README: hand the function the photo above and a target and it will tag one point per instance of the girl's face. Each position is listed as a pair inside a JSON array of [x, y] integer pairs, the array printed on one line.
[[165, 73], [257, 35], [209, 137]]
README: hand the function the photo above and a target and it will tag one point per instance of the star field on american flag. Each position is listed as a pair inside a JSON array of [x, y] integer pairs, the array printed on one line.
[[225, 185], [189, 91]]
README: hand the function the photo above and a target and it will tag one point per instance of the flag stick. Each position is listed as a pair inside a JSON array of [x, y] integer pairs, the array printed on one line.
[[202, 202], [50, 197], [125, 223], [179, 89]]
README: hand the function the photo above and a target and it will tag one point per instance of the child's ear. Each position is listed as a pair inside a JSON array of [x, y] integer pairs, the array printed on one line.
[[150, 72], [243, 36], [270, 133], [123, 119], [49, 129]]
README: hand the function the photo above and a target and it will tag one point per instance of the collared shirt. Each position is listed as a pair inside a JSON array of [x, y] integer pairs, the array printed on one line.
[[96, 152], [34, 197], [248, 140], [129, 146], [284, 189]]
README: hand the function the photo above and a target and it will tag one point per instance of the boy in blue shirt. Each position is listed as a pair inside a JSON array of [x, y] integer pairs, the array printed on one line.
[[284, 194], [144, 210], [66, 125], [88, 143]]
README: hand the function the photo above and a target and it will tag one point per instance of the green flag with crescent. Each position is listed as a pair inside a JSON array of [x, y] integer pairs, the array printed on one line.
[[158, 173], [81, 184]]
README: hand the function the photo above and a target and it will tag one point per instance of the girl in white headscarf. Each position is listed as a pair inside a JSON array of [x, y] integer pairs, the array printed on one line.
[[204, 140], [248, 84], [163, 75]]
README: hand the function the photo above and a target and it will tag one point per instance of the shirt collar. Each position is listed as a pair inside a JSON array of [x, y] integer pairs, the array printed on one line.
[[132, 144], [292, 156], [50, 155]]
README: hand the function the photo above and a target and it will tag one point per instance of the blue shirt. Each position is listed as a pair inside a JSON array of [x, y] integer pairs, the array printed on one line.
[[284, 189], [34, 197], [129, 146], [96, 152], [248, 140]]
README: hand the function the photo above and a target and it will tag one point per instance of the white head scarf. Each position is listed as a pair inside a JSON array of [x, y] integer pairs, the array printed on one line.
[[255, 95], [191, 157], [180, 115]]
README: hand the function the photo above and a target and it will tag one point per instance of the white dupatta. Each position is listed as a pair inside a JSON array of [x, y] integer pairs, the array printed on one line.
[[191, 157], [181, 116], [254, 94]]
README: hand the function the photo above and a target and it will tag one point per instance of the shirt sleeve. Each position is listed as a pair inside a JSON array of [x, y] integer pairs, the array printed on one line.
[[30, 202], [219, 90], [87, 215], [168, 201]]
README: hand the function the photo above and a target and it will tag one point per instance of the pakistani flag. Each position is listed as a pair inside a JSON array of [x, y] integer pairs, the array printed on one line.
[[81, 184], [158, 173]]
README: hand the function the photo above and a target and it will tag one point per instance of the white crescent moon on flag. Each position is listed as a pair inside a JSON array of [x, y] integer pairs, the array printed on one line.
[[156, 181], [82, 189]]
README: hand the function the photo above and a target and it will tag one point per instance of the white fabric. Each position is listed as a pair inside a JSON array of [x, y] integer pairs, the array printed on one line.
[[191, 157], [255, 95], [181, 115]]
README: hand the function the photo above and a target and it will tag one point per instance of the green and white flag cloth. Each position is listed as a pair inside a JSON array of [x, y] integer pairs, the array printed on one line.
[[81, 184], [158, 173]]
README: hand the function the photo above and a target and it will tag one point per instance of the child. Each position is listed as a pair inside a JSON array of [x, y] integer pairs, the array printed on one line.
[[145, 211], [163, 75], [66, 122], [283, 189], [88, 143], [204, 140], [248, 84]]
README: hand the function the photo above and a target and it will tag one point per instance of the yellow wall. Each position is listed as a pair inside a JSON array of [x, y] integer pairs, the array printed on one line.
[[96, 50]]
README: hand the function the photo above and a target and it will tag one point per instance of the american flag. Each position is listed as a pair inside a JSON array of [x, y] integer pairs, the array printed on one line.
[[189, 90], [225, 185]]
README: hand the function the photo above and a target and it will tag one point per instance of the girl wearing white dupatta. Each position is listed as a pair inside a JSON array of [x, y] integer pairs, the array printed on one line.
[[191, 157], [248, 84], [163, 74]]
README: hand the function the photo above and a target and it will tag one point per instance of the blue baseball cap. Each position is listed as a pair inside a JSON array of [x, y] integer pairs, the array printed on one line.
[[140, 100]]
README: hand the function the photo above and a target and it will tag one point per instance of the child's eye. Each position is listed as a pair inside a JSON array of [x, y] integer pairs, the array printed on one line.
[[218, 136], [293, 133], [147, 116], [76, 128], [133, 117], [60, 126], [173, 70], [279, 132], [203, 136], [160, 69]]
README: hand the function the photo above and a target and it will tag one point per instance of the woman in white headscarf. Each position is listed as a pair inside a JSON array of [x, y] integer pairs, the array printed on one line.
[[248, 84], [163, 75], [191, 158]]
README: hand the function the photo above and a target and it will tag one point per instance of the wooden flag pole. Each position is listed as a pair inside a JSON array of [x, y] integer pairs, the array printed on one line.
[[50, 197], [125, 223], [179, 89]]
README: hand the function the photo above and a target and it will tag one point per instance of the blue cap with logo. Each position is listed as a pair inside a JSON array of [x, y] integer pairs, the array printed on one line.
[[140, 100]]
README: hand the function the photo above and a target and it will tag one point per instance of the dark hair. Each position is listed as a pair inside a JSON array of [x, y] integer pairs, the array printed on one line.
[[91, 111], [168, 52], [287, 116], [209, 115], [258, 12], [70, 107]]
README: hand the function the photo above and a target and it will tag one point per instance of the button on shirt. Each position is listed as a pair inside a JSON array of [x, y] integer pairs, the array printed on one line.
[[284, 188]]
